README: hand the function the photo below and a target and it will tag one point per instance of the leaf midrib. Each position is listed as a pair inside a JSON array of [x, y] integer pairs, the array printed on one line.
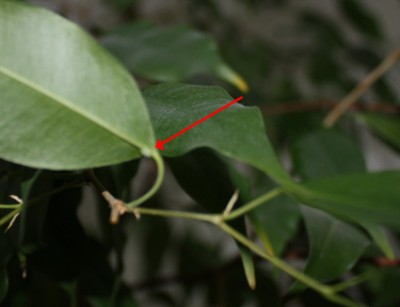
[[64, 102]]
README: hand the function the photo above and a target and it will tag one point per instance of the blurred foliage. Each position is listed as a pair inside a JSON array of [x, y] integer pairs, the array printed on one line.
[[61, 249]]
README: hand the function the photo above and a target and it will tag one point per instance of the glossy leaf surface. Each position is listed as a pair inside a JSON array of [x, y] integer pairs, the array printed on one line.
[[169, 53], [369, 197], [237, 132], [335, 246], [85, 108]]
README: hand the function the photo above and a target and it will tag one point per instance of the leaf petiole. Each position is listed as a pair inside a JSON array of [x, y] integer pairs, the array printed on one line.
[[160, 176]]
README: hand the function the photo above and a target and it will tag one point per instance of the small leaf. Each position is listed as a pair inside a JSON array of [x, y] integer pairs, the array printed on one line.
[[335, 246], [237, 132], [372, 197], [387, 127], [77, 108], [174, 53]]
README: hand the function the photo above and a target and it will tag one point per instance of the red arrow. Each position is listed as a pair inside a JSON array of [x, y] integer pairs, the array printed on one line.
[[160, 144]]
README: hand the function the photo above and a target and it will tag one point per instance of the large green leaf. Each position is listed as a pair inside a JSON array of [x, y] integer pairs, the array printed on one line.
[[66, 103], [237, 132], [320, 154], [387, 127], [372, 197], [335, 246], [173, 53]]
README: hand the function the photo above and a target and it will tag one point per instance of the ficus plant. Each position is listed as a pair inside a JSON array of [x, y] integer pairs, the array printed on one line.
[[74, 118]]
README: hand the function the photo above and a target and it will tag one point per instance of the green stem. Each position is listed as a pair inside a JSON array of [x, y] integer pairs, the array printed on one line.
[[253, 204], [214, 219], [352, 282], [5, 206], [9, 216], [326, 291], [160, 176]]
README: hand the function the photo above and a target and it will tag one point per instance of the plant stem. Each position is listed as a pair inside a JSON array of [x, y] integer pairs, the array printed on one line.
[[160, 176], [352, 282], [218, 220], [326, 291], [9, 216], [365, 84], [211, 218], [253, 204], [5, 206]]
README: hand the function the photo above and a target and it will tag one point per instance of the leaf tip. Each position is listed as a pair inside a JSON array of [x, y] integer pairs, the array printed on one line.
[[229, 75]]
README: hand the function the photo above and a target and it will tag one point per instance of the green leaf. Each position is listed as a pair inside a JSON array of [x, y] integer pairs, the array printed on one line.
[[377, 233], [322, 153], [361, 18], [336, 154], [387, 127], [372, 197], [66, 103], [237, 132], [173, 53], [335, 246]]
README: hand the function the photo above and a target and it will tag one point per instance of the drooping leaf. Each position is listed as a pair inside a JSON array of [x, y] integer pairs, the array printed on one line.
[[324, 153], [387, 127], [335, 246], [237, 132], [83, 108], [320, 154], [372, 197], [377, 233], [170, 54]]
